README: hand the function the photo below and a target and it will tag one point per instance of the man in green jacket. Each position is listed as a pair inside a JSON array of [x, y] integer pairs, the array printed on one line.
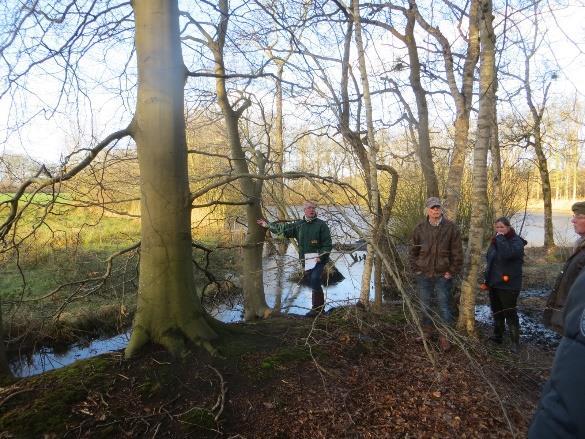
[[314, 240]]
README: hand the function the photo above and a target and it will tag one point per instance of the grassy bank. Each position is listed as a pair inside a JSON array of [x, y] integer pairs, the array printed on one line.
[[61, 283]]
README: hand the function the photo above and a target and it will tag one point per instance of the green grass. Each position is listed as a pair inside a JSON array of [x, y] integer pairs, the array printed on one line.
[[39, 197]]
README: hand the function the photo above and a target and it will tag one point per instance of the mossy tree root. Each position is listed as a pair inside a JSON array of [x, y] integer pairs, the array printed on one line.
[[173, 339]]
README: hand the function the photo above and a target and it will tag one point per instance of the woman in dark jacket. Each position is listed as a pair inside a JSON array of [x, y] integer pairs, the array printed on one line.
[[503, 277]]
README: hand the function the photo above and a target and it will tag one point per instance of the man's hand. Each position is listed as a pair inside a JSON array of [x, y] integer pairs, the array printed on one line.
[[262, 222], [447, 275]]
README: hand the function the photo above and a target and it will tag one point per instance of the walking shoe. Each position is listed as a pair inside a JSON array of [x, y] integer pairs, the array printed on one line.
[[427, 334]]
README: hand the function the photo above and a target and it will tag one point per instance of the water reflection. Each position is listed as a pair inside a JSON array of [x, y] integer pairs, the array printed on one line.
[[47, 359]]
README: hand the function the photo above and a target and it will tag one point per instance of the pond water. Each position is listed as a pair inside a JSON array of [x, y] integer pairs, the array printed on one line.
[[48, 359], [531, 228], [294, 299]]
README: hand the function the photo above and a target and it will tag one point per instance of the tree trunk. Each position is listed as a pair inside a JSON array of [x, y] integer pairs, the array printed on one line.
[[457, 165], [462, 97], [496, 164], [371, 155], [4, 368], [252, 277], [487, 80], [168, 310], [279, 154], [424, 141], [549, 242]]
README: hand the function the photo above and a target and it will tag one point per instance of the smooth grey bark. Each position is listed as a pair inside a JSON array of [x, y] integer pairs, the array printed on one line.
[[168, 310], [353, 138], [423, 142]]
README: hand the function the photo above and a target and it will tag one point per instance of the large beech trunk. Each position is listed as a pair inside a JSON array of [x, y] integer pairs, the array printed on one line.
[[168, 310]]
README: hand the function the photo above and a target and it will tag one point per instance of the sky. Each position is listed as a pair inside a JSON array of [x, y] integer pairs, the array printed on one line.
[[49, 140]]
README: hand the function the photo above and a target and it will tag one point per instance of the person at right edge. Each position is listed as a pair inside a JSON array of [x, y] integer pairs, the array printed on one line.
[[560, 413], [553, 312], [503, 279]]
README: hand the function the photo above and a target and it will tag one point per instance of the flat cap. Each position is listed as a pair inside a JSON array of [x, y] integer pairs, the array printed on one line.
[[579, 207], [433, 201]]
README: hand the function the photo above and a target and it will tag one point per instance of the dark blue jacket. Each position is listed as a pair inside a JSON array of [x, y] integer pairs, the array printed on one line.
[[505, 257], [561, 411]]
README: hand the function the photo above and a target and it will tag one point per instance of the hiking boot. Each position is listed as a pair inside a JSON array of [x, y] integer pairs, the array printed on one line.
[[317, 299]]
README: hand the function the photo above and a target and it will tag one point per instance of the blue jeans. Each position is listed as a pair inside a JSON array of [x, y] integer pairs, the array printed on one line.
[[426, 286], [315, 276]]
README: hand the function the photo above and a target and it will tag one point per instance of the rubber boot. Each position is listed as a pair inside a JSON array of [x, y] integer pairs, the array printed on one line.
[[318, 302], [499, 327], [515, 336]]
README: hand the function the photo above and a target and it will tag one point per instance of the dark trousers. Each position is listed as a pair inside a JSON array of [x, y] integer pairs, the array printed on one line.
[[314, 275], [503, 305]]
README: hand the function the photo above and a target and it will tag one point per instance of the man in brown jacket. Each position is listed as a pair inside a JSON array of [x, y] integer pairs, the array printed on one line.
[[436, 256], [553, 313]]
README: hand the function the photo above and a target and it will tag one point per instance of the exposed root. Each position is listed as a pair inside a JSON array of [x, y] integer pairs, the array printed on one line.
[[138, 339]]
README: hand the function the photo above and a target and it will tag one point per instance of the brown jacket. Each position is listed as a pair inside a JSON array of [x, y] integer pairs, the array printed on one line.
[[553, 312], [436, 249]]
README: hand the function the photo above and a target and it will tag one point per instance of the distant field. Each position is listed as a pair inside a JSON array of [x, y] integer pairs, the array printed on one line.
[[37, 198]]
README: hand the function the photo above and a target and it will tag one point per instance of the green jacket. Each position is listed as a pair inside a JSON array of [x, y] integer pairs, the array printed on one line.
[[312, 236]]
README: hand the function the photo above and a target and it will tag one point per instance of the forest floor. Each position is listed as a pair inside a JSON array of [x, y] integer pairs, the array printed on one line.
[[345, 374]]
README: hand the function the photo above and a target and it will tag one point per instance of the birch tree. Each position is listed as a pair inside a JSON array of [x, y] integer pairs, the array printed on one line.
[[487, 80]]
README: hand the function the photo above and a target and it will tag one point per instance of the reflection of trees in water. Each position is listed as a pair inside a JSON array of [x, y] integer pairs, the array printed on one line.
[[48, 359]]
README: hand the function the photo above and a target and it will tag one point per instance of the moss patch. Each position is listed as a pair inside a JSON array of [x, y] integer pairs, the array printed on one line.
[[196, 419], [46, 405]]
